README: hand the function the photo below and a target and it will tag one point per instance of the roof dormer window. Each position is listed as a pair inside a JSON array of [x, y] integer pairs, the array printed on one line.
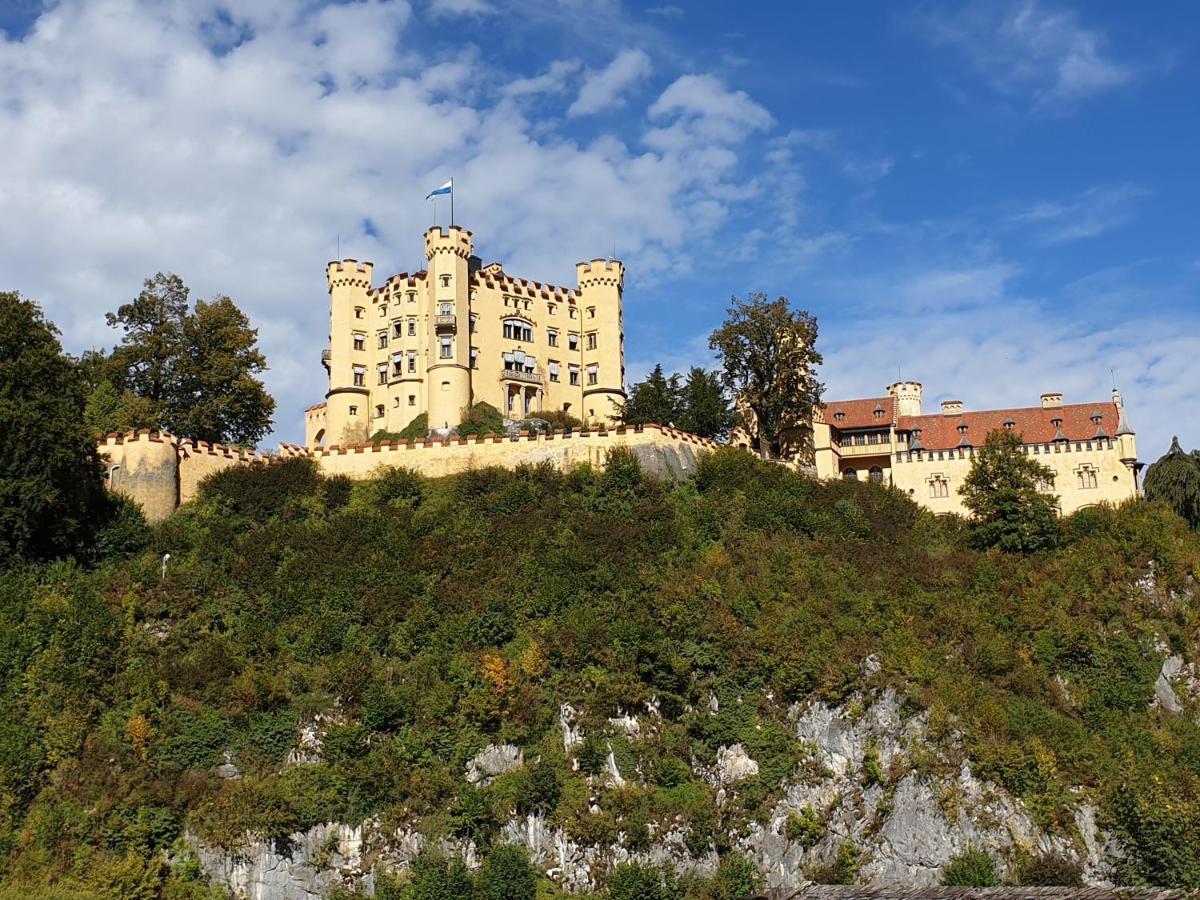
[[839, 416]]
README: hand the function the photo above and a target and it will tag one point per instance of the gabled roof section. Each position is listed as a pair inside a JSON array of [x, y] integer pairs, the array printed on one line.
[[860, 413], [1034, 424]]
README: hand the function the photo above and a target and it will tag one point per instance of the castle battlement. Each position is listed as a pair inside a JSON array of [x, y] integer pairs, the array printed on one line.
[[601, 271], [349, 273], [453, 240]]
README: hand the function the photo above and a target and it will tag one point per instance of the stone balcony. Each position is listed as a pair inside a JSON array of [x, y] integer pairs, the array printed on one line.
[[445, 323], [864, 450], [521, 376]]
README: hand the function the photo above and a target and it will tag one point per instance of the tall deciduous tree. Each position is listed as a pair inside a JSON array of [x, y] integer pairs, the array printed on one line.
[[655, 400], [704, 406], [1004, 490], [217, 396], [769, 359], [1175, 480], [190, 372], [52, 497]]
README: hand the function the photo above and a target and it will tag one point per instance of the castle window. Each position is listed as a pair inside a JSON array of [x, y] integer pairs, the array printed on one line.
[[445, 309], [383, 309], [591, 340], [839, 416], [359, 312], [591, 310], [876, 475], [354, 410], [379, 411], [446, 349], [412, 297], [553, 370], [850, 474], [397, 329], [474, 319], [573, 373], [517, 330], [396, 402], [412, 327], [445, 280], [573, 312], [593, 373], [878, 412], [572, 341], [939, 487], [397, 364], [1086, 477], [474, 357], [360, 341], [412, 399], [552, 308], [382, 340], [383, 374], [412, 361], [552, 337], [360, 376]]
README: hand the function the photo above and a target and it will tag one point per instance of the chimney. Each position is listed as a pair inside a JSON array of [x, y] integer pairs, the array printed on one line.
[[951, 407], [1052, 400]]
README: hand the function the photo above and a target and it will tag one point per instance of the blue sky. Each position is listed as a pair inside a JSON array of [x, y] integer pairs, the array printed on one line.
[[994, 198]]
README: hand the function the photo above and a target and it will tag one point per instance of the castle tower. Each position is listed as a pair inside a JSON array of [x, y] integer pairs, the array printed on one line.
[[346, 360], [601, 283], [448, 372], [908, 397]]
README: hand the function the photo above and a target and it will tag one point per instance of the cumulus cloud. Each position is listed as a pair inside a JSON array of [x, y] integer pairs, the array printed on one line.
[[1027, 47], [240, 148], [602, 90], [447, 8]]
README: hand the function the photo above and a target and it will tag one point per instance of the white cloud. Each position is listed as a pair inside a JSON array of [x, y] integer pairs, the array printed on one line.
[[554, 80], [1025, 47], [666, 11], [1093, 212], [447, 8], [602, 90], [143, 136]]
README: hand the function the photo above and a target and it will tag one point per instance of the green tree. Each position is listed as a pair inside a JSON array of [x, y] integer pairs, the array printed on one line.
[[110, 409], [1003, 491], [638, 881], [217, 396], [436, 878], [1175, 480], [705, 408], [655, 400], [193, 372], [51, 491], [769, 359], [507, 875]]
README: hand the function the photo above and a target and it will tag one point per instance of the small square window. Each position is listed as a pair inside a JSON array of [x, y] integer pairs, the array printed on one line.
[[360, 342], [412, 327], [446, 348], [572, 342], [412, 399], [354, 410], [591, 340]]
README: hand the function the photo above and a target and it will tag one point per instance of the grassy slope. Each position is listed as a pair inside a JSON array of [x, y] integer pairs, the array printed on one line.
[[448, 615]]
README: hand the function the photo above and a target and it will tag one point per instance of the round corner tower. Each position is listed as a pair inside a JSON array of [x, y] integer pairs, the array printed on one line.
[[601, 283], [907, 395], [346, 413], [448, 373]]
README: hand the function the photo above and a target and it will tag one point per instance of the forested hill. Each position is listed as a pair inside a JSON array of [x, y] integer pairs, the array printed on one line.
[[327, 652]]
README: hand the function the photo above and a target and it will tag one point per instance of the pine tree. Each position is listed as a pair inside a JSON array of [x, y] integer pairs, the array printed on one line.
[[655, 400], [704, 406], [1003, 491], [1175, 480]]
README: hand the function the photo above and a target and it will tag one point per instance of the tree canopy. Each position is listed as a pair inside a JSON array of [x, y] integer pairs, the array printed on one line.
[[769, 359], [697, 404], [1005, 491], [1175, 480], [52, 498], [190, 372]]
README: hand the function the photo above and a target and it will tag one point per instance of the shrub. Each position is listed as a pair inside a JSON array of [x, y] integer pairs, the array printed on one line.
[[1050, 870], [974, 867], [417, 429], [804, 827], [437, 878], [636, 881], [395, 487], [259, 492], [480, 418], [844, 867], [124, 531], [507, 875], [872, 765]]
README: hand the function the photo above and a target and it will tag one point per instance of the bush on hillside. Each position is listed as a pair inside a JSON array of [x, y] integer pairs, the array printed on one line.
[[262, 491], [417, 429], [480, 418], [974, 867]]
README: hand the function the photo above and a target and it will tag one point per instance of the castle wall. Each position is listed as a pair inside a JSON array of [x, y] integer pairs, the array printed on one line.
[[143, 467]]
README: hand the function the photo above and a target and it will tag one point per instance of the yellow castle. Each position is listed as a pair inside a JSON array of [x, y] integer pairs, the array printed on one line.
[[459, 332], [1089, 447]]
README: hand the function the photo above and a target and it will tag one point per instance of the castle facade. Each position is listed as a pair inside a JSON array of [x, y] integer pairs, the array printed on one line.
[[1089, 447], [459, 332]]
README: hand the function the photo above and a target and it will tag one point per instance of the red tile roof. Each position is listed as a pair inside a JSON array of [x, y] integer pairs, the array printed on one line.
[[1033, 423], [860, 413]]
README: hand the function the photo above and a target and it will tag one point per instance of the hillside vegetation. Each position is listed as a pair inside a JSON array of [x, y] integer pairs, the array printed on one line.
[[438, 617]]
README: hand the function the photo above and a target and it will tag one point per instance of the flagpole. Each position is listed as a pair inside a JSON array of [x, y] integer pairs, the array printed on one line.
[[452, 201]]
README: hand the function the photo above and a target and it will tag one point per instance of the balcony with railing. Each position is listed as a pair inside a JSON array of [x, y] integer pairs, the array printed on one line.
[[445, 322], [522, 376]]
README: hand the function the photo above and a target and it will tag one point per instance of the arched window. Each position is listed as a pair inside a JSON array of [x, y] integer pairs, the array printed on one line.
[[517, 330], [850, 474], [876, 475]]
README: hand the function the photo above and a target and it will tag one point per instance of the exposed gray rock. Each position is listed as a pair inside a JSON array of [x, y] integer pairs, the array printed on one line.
[[572, 733], [493, 760], [1164, 691], [227, 769], [312, 737], [733, 764]]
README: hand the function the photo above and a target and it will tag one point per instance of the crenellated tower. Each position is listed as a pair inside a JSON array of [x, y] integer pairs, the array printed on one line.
[[907, 395], [346, 359], [448, 353], [601, 283]]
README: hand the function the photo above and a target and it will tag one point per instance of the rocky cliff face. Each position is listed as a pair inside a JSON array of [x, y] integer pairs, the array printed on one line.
[[875, 784]]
